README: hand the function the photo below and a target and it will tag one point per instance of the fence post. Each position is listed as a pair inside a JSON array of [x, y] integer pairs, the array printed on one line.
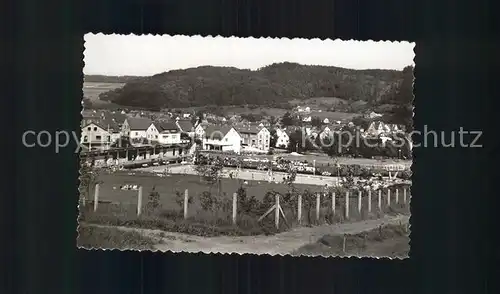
[[343, 243], [404, 195], [397, 195], [299, 209], [359, 201], [96, 197], [347, 204], [318, 204], [139, 201], [333, 203], [380, 200], [277, 212], [186, 202], [235, 201], [388, 197], [369, 201]]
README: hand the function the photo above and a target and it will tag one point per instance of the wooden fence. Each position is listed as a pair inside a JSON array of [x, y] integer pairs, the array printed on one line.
[[391, 195]]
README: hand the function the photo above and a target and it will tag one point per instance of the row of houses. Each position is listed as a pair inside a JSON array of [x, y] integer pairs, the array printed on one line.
[[103, 132]]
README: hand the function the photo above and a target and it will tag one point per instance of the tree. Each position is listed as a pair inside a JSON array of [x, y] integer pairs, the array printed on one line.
[[287, 119], [89, 177], [316, 122], [86, 103], [153, 203], [295, 141], [211, 172], [274, 138]]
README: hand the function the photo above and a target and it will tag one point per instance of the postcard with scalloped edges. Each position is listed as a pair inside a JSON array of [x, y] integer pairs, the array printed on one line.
[[246, 145]]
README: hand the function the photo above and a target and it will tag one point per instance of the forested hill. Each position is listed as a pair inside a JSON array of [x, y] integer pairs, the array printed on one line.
[[272, 85]]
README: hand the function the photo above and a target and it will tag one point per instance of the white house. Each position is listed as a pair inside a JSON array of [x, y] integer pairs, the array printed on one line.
[[377, 127], [136, 128], [255, 137], [326, 120], [326, 132], [169, 134], [264, 139], [223, 138], [95, 136], [152, 132], [282, 139]]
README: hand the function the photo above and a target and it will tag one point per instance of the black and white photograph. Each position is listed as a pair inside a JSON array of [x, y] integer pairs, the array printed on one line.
[[272, 146]]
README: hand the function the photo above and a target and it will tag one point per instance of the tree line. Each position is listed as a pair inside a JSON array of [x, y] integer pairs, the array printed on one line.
[[272, 86]]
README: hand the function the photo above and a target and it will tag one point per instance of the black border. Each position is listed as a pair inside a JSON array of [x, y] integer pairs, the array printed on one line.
[[451, 243]]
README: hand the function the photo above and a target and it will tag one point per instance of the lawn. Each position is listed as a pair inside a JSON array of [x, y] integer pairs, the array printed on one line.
[[92, 90], [168, 186], [386, 241], [111, 238], [216, 220]]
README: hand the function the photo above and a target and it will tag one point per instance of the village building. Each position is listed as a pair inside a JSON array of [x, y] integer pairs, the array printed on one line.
[[164, 133], [169, 134], [282, 139], [222, 138], [95, 136], [255, 137], [186, 127], [135, 128], [377, 128], [326, 132]]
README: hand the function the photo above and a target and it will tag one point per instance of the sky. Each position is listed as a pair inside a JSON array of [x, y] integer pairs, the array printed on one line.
[[118, 55]]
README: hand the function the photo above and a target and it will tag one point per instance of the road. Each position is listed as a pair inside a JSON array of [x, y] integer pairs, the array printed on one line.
[[279, 244]]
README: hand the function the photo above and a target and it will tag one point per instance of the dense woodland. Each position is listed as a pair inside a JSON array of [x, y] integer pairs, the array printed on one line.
[[271, 85]]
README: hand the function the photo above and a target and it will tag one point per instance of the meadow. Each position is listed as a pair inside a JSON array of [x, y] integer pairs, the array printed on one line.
[[169, 186], [92, 90]]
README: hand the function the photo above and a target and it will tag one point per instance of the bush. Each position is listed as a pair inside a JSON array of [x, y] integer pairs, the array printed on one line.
[[247, 205], [153, 203], [207, 201]]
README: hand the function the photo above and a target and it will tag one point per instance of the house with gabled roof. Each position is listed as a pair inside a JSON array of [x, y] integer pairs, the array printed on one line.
[[169, 133], [163, 133], [185, 126], [282, 138], [222, 138], [254, 136], [326, 131], [95, 136], [136, 128]]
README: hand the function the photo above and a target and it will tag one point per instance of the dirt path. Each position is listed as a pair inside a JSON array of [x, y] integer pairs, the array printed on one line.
[[282, 243]]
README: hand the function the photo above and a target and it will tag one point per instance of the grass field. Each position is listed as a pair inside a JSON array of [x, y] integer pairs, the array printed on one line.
[[168, 186], [318, 101], [112, 238], [333, 115], [216, 221], [386, 241], [91, 90]]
